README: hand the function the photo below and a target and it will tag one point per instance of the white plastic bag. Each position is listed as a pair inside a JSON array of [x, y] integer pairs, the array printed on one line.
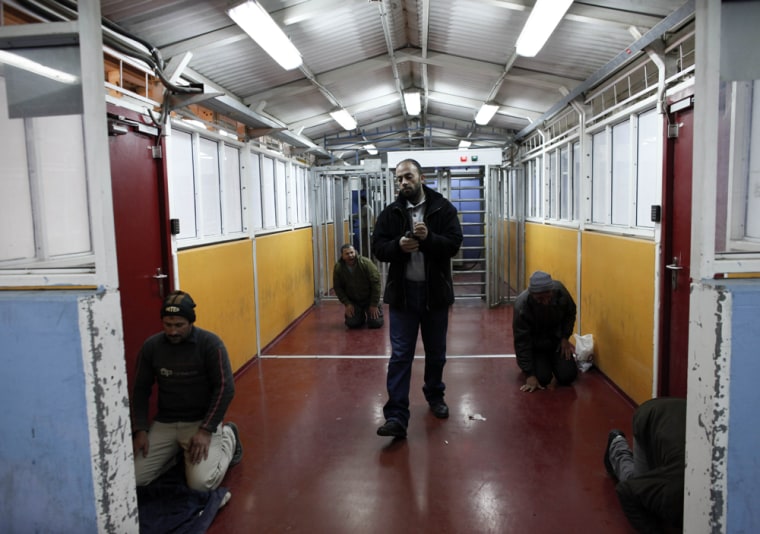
[[584, 351]]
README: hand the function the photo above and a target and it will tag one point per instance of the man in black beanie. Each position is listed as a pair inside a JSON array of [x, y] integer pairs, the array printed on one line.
[[195, 387], [543, 320]]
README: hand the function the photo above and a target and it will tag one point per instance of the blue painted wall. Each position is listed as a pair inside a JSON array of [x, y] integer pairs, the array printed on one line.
[[743, 483], [45, 468]]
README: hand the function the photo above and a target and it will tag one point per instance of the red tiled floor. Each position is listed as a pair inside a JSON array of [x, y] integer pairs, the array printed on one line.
[[313, 463]]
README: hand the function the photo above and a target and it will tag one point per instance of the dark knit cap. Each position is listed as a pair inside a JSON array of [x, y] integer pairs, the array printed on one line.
[[540, 282], [179, 303]]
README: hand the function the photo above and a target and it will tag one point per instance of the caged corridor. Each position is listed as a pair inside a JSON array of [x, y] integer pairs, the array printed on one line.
[[504, 461]]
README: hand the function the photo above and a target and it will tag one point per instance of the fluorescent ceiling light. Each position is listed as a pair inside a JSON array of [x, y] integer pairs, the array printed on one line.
[[371, 149], [486, 113], [412, 101], [464, 144], [15, 60], [344, 118], [257, 23], [541, 23]]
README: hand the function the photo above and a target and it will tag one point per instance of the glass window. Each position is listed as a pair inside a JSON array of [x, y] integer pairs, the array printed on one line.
[[256, 211], [535, 188], [281, 190], [576, 195], [626, 171], [204, 188], [210, 199], [649, 167], [599, 202], [231, 191], [551, 185], [182, 183], [268, 192], [738, 178], [565, 185], [44, 207], [621, 173]]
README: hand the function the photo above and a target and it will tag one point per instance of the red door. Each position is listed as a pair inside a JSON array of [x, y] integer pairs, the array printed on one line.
[[676, 229], [141, 225]]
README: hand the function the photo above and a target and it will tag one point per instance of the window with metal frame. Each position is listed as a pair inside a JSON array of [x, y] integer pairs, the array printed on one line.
[[204, 188], [626, 173], [737, 225], [44, 212]]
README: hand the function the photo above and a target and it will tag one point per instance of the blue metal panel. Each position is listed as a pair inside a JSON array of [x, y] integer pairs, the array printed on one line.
[[743, 459], [45, 472]]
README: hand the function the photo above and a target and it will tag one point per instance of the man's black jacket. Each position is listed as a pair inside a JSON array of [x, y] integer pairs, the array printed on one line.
[[442, 243]]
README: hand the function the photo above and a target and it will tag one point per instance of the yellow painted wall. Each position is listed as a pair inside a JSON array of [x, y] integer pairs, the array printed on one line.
[[285, 267], [615, 297], [617, 303], [554, 250], [220, 280], [328, 248], [512, 257]]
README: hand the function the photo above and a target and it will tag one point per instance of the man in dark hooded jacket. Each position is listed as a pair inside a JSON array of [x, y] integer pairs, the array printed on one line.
[[417, 234], [543, 320]]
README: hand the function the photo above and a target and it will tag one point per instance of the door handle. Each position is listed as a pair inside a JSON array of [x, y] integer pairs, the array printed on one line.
[[674, 268], [160, 276]]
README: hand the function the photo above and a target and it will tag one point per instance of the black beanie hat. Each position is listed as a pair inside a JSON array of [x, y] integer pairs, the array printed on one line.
[[179, 303], [540, 282]]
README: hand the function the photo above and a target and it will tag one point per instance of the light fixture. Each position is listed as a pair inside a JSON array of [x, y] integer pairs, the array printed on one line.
[[486, 113], [541, 23], [371, 149], [412, 101], [464, 144], [257, 23], [195, 122], [15, 60], [344, 118]]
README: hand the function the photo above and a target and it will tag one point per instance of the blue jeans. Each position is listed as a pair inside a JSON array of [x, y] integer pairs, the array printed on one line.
[[404, 325]]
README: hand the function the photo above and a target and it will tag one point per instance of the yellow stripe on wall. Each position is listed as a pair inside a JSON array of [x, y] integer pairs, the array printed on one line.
[[220, 280], [285, 267], [617, 286]]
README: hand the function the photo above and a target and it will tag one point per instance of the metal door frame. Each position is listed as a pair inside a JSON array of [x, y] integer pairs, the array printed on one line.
[[332, 189]]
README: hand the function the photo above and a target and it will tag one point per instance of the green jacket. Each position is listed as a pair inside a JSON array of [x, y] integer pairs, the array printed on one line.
[[362, 286]]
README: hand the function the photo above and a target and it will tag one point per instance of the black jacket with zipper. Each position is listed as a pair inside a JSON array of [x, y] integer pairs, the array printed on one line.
[[442, 243]]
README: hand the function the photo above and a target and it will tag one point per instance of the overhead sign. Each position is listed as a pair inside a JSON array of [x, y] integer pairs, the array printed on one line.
[[448, 158]]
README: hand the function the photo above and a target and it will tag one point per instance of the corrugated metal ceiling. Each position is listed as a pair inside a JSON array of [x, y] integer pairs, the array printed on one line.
[[361, 54]]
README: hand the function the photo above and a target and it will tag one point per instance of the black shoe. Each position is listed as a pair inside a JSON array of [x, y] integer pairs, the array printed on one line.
[[392, 428], [439, 409], [607, 464], [238, 454]]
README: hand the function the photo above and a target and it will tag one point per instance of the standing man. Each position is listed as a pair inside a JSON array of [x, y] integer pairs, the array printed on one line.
[[650, 479], [417, 234], [195, 387], [543, 320], [356, 282]]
